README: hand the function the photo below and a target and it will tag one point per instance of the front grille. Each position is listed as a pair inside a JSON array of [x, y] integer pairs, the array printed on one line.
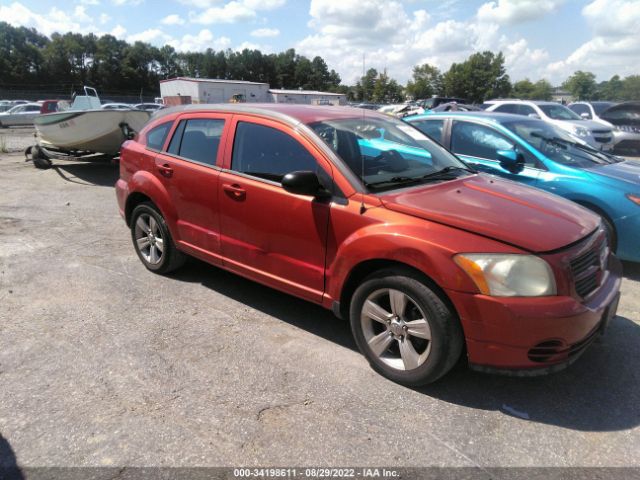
[[603, 139], [587, 269], [601, 132]]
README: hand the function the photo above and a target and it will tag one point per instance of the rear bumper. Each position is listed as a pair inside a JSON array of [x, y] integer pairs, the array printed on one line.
[[534, 335], [122, 192]]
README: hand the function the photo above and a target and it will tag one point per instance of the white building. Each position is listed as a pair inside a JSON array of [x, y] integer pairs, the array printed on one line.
[[209, 90], [308, 97]]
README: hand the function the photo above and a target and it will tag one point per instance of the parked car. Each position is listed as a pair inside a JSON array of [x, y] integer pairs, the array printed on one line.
[[591, 110], [435, 101], [422, 254], [456, 107], [593, 133], [540, 154], [9, 104], [19, 115], [626, 120], [148, 107], [116, 106]]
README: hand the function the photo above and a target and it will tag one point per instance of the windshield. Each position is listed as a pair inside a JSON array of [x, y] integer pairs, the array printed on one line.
[[559, 112], [388, 153], [556, 144]]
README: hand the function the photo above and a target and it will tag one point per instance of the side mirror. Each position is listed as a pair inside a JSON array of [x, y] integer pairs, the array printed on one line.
[[534, 115], [511, 160], [304, 183], [585, 116]]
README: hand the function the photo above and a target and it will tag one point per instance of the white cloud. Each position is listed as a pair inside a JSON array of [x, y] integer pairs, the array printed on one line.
[[55, 20], [119, 32], [265, 32], [509, 12], [152, 35], [203, 40], [104, 18], [90, 2], [231, 12], [128, 3], [615, 46], [172, 20]]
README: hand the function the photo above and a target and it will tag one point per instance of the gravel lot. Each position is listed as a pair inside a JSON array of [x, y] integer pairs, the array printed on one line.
[[105, 364]]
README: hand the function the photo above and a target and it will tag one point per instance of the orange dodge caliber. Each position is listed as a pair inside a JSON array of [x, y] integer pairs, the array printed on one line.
[[366, 216]]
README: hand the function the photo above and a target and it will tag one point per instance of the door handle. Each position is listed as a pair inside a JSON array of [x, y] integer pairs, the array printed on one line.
[[165, 170], [235, 191]]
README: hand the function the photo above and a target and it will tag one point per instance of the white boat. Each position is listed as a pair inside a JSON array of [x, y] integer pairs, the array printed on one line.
[[87, 128]]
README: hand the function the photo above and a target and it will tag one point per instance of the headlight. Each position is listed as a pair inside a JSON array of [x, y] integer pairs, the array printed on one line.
[[508, 275], [581, 131], [634, 198]]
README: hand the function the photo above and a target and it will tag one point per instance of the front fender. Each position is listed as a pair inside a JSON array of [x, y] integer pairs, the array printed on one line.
[[429, 248]]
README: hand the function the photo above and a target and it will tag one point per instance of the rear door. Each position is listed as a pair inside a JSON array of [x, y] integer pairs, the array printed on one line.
[[478, 144], [268, 234], [189, 169]]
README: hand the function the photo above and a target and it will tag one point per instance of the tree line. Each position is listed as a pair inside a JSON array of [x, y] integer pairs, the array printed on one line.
[[29, 59]]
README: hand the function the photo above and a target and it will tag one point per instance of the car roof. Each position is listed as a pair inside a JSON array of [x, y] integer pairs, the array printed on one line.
[[291, 113], [494, 117]]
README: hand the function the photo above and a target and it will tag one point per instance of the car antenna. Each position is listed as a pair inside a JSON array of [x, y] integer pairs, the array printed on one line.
[[364, 97]]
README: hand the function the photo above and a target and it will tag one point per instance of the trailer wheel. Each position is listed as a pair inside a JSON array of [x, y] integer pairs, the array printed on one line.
[[39, 159]]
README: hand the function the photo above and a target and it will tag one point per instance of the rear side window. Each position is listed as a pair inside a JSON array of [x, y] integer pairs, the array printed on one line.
[[268, 153], [432, 128], [198, 139], [525, 110], [506, 108], [157, 136]]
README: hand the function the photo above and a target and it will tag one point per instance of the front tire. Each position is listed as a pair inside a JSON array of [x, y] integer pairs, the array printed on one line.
[[404, 328], [152, 240]]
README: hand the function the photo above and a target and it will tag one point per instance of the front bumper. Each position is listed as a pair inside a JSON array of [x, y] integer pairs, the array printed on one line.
[[507, 334], [626, 142], [628, 232]]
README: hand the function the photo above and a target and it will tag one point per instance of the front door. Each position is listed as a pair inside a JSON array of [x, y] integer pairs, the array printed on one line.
[[478, 144], [268, 234]]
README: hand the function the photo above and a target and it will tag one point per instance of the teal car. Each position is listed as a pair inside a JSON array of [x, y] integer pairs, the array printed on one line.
[[536, 153]]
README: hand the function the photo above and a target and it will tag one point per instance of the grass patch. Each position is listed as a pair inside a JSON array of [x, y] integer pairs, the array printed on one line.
[[3, 144]]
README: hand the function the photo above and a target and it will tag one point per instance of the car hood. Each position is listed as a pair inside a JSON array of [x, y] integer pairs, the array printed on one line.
[[500, 209], [588, 124], [628, 171]]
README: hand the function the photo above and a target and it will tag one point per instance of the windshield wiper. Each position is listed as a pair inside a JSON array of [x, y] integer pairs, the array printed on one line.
[[392, 180], [565, 144], [447, 173]]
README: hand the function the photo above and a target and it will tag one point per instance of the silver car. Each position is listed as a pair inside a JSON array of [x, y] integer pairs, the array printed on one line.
[[625, 118], [20, 115], [595, 134]]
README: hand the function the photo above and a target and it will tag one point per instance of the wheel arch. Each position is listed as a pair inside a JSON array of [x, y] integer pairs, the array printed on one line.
[[369, 267], [589, 205]]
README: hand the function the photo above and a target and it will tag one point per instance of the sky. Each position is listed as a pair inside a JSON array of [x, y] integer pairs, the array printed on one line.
[[548, 39]]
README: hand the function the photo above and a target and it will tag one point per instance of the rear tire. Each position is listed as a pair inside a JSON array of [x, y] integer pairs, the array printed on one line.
[[407, 332], [152, 240]]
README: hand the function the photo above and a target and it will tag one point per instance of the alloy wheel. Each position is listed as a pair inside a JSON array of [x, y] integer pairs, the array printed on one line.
[[396, 329], [148, 238]]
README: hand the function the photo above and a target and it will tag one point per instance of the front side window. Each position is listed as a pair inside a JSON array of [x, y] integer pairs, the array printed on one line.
[[581, 108], [268, 153], [478, 141], [432, 128], [157, 136], [559, 112]]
